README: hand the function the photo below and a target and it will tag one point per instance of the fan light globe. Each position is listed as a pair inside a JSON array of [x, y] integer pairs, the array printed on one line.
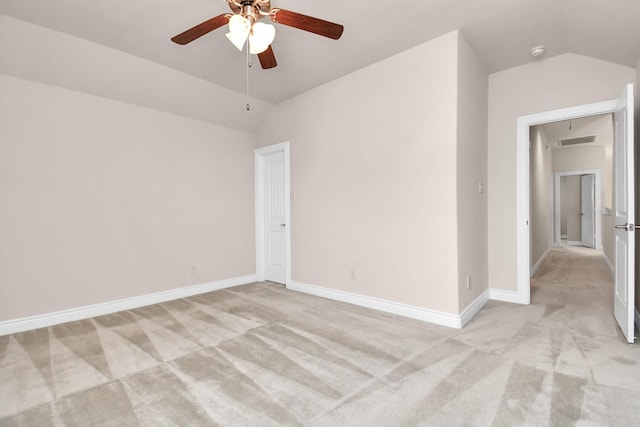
[[239, 28], [239, 24], [237, 39], [261, 37]]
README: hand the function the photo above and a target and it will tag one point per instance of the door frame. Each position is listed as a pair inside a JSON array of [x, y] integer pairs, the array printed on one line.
[[260, 154], [523, 293], [596, 205]]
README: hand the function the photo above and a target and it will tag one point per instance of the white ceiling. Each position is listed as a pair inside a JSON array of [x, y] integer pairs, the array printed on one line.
[[501, 31]]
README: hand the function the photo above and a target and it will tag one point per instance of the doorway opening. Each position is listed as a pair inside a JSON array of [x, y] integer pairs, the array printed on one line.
[[527, 186], [577, 209], [568, 162], [623, 211]]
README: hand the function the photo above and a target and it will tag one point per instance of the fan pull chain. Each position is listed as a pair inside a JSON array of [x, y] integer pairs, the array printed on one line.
[[248, 68]]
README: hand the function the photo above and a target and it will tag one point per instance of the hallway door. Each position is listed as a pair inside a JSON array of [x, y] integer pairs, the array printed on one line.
[[624, 211], [272, 215], [275, 219]]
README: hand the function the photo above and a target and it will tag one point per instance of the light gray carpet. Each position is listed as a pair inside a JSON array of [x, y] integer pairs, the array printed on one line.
[[260, 355]]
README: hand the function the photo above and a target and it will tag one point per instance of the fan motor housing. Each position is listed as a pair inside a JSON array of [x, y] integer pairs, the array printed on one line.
[[246, 8]]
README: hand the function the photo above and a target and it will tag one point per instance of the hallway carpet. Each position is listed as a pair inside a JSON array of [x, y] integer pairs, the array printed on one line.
[[260, 355]]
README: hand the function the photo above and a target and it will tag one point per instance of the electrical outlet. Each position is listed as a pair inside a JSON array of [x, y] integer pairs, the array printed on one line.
[[468, 282], [353, 274], [192, 270]]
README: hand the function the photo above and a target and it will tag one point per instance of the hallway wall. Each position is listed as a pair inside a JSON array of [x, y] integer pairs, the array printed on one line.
[[541, 193]]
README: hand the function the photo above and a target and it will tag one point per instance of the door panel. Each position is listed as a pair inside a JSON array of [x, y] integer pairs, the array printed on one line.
[[587, 213], [624, 203], [274, 218]]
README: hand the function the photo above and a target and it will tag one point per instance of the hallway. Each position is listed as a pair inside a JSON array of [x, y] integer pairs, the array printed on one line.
[[577, 288]]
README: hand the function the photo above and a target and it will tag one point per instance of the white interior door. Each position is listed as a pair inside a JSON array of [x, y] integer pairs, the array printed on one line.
[[624, 214], [587, 211], [274, 227]]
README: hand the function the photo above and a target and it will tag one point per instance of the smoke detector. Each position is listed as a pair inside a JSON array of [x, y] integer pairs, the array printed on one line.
[[537, 51]]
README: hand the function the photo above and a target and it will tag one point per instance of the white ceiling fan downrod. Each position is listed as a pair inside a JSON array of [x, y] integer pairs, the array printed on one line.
[[248, 68]]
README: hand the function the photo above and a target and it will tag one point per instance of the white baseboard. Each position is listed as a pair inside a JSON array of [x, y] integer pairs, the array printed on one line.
[[413, 312], [574, 242], [537, 265], [63, 316], [507, 296], [473, 308]]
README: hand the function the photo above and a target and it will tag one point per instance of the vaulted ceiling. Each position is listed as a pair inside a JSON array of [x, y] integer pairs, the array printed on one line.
[[501, 31]]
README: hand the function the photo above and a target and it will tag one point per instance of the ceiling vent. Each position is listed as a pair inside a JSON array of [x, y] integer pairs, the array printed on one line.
[[576, 141]]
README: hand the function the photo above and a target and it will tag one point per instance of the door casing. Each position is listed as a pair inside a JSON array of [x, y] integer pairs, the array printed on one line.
[[523, 292]]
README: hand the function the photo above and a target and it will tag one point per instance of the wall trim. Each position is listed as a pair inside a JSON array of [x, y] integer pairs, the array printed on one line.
[[537, 265], [473, 308], [508, 296], [78, 313], [411, 311]]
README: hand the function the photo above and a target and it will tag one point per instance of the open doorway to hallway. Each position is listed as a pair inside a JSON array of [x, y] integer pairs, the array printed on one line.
[[571, 187], [623, 208], [572, 239]]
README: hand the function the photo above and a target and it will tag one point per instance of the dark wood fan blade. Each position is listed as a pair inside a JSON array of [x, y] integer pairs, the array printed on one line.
[[201, 29], [267, 59], [307, 23]]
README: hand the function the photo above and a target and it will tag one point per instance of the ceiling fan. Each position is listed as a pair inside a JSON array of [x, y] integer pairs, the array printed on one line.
[[244, 26]]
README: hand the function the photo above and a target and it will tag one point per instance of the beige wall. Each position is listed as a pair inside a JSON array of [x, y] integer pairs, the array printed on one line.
[[103, 200], [373, 169], [553, 83], [541, 193], [580, 158], [472, 170]]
